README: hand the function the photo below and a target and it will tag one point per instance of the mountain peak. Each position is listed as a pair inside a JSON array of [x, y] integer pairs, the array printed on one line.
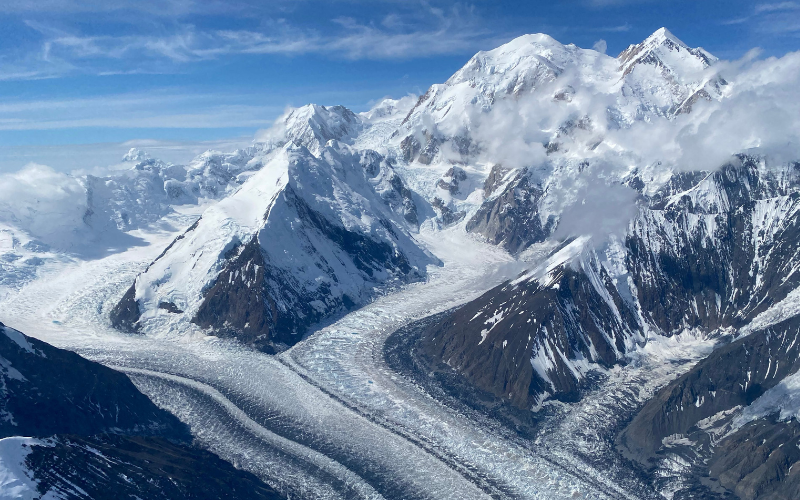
[[663, 35], [663, 49], [312, 125]]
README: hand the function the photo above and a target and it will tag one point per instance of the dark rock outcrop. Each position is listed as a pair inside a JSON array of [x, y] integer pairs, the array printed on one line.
[[445, 214], [412, 149], [130, 467], [511, 218], [390, 186], [760, 461], [257, 303], [517, 340], [733, 375], [452, 179], [719, 253], [324, 235], [98, 436], [495, 179], [41, 382], [708, 251], [125, 315]]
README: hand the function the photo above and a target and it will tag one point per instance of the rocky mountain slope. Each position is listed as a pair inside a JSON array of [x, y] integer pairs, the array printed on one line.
[[709, 259], [72, 428], [305, 238], [712, 256]]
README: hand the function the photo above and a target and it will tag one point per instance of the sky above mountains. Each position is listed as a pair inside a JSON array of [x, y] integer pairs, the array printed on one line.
[[184, 75]]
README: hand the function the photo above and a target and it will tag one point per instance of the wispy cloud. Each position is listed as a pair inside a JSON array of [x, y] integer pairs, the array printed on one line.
[[777, 18], [161, 8], [139, 110], [621, 28], [735, 21], [439, 32], [614, 3], [776, 7]]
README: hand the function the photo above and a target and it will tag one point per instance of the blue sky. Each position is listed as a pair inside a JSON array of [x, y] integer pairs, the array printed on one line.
[[187, 72]]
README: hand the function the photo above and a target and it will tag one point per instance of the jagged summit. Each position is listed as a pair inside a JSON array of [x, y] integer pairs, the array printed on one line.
[[659, 77], [665, 50], [312, 126], [662, 35]]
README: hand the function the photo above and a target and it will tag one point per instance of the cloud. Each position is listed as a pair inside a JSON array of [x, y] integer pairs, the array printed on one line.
[[102, 158], [160, 8], [56, 209], [615, 3], [759, 113], [733, 22], [621, 28], [778, 18], [600, 209], [600, 46], [45, 203], [427, 31], [173, 109], [776, 7]]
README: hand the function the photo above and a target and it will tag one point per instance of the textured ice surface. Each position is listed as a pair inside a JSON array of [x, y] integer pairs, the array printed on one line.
[[327, 418]]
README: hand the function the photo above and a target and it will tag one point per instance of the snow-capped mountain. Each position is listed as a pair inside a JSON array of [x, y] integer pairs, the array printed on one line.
[[716, 257], [578, 91], [306, 237], [650, 198], [684, 71], [313, 126], [711, 256]]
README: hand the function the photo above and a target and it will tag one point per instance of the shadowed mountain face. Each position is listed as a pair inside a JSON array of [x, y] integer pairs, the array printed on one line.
[[90, 434], [760, 460], [708, 253], [510, 215], [733, 375], [714, 254], [137, 467], [305, 239], [504, 341], [41, 382], [714, 414]]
